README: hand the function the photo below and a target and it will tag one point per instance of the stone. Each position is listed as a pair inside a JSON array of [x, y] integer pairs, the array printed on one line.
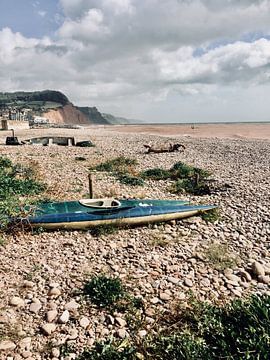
[[264, 279], [72, 305], [54, 292], [55, 352], [173, 280], [121, 333], [35, 307], [142, 333], [64, 318], [164, 296], [7, 345], [16, 301], [233, 277], [84, 322], [245, 275], [25, 343], [51, 315], [258, 269], [73, 334], [121, 322], [28, 284], [188, 282], [48, 328]]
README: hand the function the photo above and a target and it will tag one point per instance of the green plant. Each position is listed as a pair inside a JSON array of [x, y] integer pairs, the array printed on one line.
[[211, 215], [190, 186], [106, 229], [219, 256], [155, 174], [110, 350], [104, 291], [119, 164], [130, 180]]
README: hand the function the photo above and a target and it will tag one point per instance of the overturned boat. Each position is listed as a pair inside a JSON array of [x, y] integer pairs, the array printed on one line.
[[88, 213]]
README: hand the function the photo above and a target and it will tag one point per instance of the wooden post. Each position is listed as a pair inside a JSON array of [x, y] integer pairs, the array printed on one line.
[[90, 182]]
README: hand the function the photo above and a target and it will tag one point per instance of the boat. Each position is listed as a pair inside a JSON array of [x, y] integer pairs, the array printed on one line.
[[87, 213]]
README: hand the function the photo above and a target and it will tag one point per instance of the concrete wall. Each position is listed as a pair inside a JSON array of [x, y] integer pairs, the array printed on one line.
[[14, 124]]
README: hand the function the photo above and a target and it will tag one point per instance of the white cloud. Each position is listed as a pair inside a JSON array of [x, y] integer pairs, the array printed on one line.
[[131, 54]]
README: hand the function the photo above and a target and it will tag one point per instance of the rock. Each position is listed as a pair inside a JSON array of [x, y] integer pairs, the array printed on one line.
[[25, 344], [72, 305], [264, 279], [142, 333], [35, 307], [188, 282], [28, 284], [154, 300], [121, 322], [48, 328], [84, 322], [245, 275], [233, 277], [121, 333], [54, 292], [64, 318], [16, 301], [7, 345], [258, 269], [164, 296], [73, 334], [51, 315], [55, 352], [173, 280]]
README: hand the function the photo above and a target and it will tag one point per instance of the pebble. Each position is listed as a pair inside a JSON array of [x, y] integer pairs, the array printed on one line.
[[84, 322], [54, 292], [7, 345], [48, 328], [16, 301], [51, 315], [264, 279], [188, 282], [64, 318], [258, 269], [164, 296], [121, 322], [72, 305], [35, 307]]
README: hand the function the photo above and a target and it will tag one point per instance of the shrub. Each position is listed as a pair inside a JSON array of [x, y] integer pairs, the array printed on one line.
[[190, 186], [130, 180], [211, 215], [156, 174], [105, 229], [104, 291], [119, 164], [15, 180], [110, 350]]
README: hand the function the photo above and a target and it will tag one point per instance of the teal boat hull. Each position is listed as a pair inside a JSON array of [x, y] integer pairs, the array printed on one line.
[[74, 215]]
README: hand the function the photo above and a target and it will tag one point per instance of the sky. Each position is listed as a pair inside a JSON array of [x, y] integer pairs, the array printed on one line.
[[154, 60]]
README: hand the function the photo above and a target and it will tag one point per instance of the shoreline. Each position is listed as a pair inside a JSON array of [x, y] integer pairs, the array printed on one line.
[[228, 130]]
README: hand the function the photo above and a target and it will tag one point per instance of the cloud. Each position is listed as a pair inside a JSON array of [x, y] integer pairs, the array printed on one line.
[[127, 54]]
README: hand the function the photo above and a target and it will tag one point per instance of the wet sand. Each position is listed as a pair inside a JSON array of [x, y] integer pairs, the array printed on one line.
[[232, 131]]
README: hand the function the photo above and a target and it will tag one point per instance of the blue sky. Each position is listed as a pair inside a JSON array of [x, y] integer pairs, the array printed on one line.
[[31, 18], [170, 60]]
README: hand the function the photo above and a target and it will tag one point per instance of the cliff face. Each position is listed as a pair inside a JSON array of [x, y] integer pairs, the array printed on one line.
[[67, 114]]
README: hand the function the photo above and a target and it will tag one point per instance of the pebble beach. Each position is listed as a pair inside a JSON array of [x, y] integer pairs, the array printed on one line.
[[42, 275]]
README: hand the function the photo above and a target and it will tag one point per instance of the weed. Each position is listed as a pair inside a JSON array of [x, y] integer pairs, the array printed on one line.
[[119, 164], [219, 256], [106, 229], [104, 291], [130, 180], [190, 186], [211, 216], [156, 174], [110, 350], [2, 241]]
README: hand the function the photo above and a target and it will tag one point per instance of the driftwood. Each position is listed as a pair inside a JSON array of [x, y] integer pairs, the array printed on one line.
[[165, 149]]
